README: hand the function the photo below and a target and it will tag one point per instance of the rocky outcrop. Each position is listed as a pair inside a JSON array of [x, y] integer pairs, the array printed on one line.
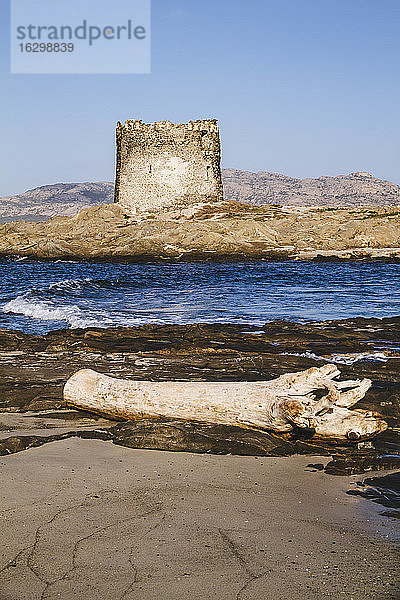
[[209, 232], [34, 368]]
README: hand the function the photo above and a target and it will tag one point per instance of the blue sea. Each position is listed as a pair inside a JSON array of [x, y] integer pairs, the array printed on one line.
[[36, 297]]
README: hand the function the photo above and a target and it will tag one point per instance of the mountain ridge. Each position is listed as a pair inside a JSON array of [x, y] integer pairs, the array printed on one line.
[[255, 188]]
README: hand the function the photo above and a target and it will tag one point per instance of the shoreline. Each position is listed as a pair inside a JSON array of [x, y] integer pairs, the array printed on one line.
[[384, 255]]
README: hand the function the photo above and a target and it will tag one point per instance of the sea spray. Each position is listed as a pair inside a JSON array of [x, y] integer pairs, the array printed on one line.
[[45, 311]]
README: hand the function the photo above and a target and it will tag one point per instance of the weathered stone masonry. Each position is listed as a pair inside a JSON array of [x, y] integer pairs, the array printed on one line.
[[162, 165]]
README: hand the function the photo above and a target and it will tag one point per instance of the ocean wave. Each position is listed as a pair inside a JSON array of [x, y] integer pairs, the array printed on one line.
[[62, 260], [71, 285], [85, 284], [45, 311], [76, 287]]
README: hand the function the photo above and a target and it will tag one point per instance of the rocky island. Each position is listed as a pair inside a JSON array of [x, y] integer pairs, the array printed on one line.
[[170, 203], [227, 230]]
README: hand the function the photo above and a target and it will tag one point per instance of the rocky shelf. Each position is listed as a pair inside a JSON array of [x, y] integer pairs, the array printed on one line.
[[219, 231], [34, 370]]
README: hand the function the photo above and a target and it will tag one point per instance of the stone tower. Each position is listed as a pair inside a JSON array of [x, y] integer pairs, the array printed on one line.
[[163, 165]]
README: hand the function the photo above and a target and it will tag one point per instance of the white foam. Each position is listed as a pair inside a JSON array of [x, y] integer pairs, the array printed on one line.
[[69, 284], [45, 311], [344, 359], [305, 355], [350, 359]]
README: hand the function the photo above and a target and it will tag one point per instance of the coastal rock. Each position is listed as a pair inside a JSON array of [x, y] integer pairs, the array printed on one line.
[[209, 438], [226, 230], [46, 201]]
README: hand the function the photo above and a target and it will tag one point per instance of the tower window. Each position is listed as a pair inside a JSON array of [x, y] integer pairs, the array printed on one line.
[[208, 173]]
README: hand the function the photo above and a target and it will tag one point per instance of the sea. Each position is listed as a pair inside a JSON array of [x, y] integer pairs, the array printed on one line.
[[37, 296]]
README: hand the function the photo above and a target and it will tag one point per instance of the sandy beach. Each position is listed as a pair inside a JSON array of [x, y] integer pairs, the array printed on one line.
[[88, 519]]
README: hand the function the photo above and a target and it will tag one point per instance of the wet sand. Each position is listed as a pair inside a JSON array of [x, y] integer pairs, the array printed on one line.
[[89, 519]]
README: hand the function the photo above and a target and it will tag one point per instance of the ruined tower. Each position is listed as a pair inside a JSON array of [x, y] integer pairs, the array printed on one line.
[[162, 165]]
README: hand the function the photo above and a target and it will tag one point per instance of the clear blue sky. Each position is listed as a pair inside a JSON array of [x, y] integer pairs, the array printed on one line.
[[301, 87]]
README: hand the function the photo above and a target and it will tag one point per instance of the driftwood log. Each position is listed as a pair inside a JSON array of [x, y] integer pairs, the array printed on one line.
[[309, 399]]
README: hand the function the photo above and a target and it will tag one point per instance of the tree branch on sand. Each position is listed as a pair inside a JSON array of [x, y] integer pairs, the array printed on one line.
[[309, 400]]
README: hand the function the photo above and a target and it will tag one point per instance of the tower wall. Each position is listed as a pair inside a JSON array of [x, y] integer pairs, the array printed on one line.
[[162, 165]]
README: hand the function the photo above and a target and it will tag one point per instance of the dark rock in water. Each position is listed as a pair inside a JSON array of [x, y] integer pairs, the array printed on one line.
[[381, 490], [21, 431], [170, 435], [18, 443], [361, 461], [393, 514], [35, 368], [315, 467], [383, 453], [184, 436]]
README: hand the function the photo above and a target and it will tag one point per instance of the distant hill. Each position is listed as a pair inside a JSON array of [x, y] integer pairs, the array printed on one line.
[[51, 200], [356, 189]]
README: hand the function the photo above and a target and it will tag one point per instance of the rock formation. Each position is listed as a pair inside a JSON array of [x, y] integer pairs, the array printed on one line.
[[209, 231], [355, 189], [59, 199]]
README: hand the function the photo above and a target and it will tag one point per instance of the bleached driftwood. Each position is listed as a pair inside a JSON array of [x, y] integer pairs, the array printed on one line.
[[290, 401]]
